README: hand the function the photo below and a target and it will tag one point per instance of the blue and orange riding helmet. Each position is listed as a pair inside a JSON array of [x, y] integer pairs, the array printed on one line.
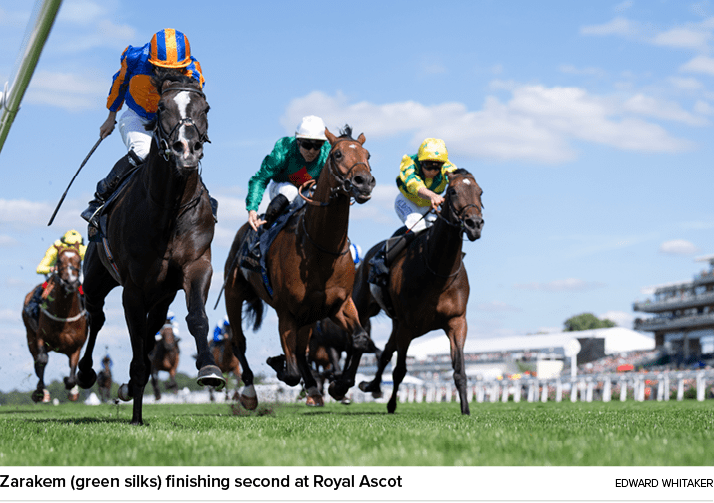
[[169, 48]]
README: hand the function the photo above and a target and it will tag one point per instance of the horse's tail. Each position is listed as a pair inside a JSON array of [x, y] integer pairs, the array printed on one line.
[[254, 312]]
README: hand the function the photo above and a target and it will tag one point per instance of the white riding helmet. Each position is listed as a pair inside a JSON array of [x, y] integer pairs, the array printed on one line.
[[311, 128]]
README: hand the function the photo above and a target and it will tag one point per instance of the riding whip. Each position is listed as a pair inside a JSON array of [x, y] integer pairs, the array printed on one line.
[[72, 181]]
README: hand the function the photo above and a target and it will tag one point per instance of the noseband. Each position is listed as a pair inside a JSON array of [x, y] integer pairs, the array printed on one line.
[[458, 214], [162, 137]]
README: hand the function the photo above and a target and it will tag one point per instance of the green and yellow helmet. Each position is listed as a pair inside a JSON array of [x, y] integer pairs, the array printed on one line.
[[433, 149], [72, 237]]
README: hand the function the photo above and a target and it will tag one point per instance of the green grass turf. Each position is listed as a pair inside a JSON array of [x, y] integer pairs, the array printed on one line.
[[496, 434]]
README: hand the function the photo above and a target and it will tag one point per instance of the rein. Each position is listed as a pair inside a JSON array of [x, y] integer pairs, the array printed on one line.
[[51, 316], [344, 183]]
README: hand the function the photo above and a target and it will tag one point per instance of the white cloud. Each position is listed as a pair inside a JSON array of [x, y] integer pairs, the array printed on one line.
[[562, 285], [66, 90], [699, 64], [689, 37], [621, 318], [6, 241], [687, 84], [537, 123], [497, 306], [678, 247], [617, 26]]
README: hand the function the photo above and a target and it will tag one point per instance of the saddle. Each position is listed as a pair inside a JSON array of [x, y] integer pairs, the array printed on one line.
[[263, 239]]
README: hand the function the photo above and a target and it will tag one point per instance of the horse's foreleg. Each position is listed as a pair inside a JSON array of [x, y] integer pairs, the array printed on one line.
[[196, 284], [348, 319], [70, 382], [248, 398], [400, 370], [41, 358], [456, 331], [290, 374], [314, 395], [140, 367]]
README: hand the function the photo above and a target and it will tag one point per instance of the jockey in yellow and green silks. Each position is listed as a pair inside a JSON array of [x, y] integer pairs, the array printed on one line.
[[70, 238], [421, 181]]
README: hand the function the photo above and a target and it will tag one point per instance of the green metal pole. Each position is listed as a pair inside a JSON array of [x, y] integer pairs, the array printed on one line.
[[12, 96]]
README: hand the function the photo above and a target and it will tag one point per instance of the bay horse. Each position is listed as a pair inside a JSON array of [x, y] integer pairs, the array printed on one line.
[[165, 357], [226, 360], [310, 271], [428, 286], [104, 379], [158, 241], [62, 325]]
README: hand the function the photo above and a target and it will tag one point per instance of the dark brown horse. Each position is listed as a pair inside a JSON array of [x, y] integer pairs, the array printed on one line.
[[428, 286], [62, 325], [309, 268], [165, 357], [327, 344], [158, 241]]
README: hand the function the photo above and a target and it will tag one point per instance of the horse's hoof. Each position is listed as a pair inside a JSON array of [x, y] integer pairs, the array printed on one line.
[[73, 394], [123, 393], [210, 375], [86, 379], [45, 396], [248, 402], [315, 401], [277, 363], [337, 390], [38, 395], [367, 387], [345, 401], [361, 343]]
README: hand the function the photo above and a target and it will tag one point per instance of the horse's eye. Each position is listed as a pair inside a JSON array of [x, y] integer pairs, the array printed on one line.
[[338, 155], [452, 191]]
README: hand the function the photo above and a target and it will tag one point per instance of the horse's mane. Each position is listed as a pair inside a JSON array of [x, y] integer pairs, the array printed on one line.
[[346, 132], [462, 172]]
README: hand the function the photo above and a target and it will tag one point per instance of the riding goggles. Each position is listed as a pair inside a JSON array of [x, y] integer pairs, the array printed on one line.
[[311, 145]]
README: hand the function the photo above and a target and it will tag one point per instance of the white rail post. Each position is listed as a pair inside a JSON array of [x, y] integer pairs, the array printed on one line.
[[701, 387], [680, 388], [660, 388], [544, 392], [623, 390], [607, 390], [558, 391], [573, 391], [517, 391], [589, 392], [666, 387]]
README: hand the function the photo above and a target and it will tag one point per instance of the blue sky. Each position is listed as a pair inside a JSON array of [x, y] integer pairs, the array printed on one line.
[[587, 124]]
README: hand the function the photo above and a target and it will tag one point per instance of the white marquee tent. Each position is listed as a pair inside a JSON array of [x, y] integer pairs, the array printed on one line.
[[617, 340]]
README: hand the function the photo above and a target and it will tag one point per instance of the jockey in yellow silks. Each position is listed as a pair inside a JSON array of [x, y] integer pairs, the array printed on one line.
[[421, 181], [71, 238], [168, 51]]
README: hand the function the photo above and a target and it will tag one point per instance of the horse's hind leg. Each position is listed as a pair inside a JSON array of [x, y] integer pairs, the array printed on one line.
[[456, 331], [374, 386], [155, 384]]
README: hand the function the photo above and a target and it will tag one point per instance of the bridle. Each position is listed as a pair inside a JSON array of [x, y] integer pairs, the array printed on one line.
[[344, 183], [67, 286], [162, 137], [458, 214]]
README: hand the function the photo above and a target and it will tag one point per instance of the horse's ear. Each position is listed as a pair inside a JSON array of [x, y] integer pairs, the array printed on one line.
[[330, 137], [361, 139], [167, 83]]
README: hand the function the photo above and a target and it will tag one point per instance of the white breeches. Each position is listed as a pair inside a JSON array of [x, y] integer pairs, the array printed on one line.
[[410, 214], [133, 133], [285, 188]]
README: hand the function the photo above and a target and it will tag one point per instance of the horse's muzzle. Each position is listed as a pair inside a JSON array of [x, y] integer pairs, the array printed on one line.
[[362, 186], [473, 224]]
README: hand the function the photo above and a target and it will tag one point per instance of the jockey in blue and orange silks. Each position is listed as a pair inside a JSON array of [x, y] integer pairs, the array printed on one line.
[[168, 50]]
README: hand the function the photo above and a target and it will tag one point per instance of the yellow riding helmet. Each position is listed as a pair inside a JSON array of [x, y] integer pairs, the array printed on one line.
[[169, 48], [433, 149], [72, 237]]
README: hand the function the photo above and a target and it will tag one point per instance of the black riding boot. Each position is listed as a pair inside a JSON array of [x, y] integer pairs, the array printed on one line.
[[107, 185], [275, 209], [33, 306], [379, 272]]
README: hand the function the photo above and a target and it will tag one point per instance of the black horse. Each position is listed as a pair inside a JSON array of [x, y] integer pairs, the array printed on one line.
[[158, 241]]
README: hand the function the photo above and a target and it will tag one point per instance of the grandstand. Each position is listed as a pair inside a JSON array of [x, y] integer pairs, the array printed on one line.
[[682, 318]]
